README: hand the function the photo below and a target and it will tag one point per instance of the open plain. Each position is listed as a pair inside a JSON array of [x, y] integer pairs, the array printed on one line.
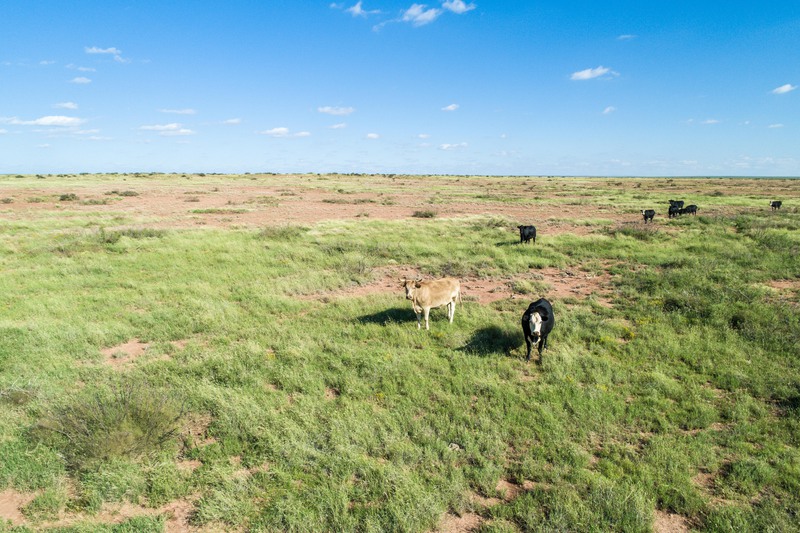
[[194, 352]]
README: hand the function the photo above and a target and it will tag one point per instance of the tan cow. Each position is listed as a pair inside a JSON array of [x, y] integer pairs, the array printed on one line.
[[425, 295]]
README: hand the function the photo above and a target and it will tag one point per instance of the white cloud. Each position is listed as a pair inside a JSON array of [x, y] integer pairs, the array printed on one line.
[[339, 126], [3, 132], [96, 50], [373, 136], [610, 109], [80, 80], [451, 107], [45, 145], [711, 121], [284, 133], [458, 6], [775, 126], [174, 126], [783, 89], [626, 37], [418, 15], [116, 52], [66, 105], [50, 120], [358, 11], [455, 146], [232, 121], [47, 62], [168, 130], [591, 73], [179, 111], [337, 111], [424, 136], [85, 132]]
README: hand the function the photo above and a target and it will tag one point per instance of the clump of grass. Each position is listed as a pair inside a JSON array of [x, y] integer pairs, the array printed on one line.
[[524, 286], [95, 201], [219, 211], [68, 197], [424, 213], [336, 201], [113, 236], [36, 200], [642, 233], [126, 420], [7, 200], [282, 233]]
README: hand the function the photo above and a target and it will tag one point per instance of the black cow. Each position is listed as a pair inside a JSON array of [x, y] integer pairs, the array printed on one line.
[[527, 233], [775, 204], [676, 203], [673, 211], [537, 323], [648, 214], [689, 210]]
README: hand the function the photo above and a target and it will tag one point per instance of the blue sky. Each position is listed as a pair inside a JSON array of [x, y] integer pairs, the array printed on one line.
[[682, 88]]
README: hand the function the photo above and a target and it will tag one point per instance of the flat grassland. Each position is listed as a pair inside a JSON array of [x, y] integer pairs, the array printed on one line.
[[192, 352]]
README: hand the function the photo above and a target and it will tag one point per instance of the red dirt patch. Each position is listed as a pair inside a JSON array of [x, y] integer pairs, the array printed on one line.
[[11, 502], [451, 523], [118, 356], [669, 523], [508, 490]]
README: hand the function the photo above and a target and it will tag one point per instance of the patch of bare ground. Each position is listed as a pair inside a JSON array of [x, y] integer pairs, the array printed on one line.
[[11, 503], [123, 354], [792, 285], [331, 393], [666, 522], [557, 283], [452, 523], [195, 430]]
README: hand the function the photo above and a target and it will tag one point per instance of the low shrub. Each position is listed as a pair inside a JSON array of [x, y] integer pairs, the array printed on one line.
[[425, 213], [69, 197]]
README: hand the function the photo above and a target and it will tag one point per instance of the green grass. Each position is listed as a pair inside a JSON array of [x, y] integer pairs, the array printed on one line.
[[337, 414]]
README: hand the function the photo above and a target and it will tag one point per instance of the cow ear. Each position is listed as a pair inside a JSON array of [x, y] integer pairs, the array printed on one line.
[[418, 284]]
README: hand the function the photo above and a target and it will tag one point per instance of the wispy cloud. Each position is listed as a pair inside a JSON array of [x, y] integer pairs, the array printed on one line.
[[232, 121], [339, 126], [710, 121], [337, 111], [66, 105], [50, 120], [451, 107], [80, 80], [783, 89], [419, 14], [3, 132], [358, 11], [373, 136], [456, 146], [424, 136], [172, 129], [458, 6], [610, 109], [179, 111], [284, 133], [47, 62], [626, 37], [116, 52], [591, 73], [775, 126]]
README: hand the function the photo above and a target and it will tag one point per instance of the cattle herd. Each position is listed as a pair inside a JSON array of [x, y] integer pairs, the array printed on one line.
[[538, 319]]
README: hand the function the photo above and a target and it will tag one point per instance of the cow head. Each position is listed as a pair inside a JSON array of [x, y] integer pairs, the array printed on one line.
[[410, 285], [536, 326]]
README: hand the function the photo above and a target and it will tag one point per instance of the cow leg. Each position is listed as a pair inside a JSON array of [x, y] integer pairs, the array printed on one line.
[[427, 312], [528, 343], [419, 320], [451, 310], [541, 344]]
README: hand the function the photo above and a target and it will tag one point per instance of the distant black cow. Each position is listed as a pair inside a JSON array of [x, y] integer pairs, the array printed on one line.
[[527, 233], [673, 211], [689, 210], [648, 214], [676, 203], [537, 323], [775, 204]]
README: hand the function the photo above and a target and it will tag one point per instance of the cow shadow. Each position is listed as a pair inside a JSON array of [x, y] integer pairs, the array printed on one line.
[[387, 316], [493, 340], [507, 243]]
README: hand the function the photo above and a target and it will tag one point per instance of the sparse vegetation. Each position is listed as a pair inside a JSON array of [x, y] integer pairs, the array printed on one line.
[[285, 397], [424, 213]]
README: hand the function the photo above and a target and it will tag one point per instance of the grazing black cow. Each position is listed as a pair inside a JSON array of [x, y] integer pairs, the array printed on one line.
[[676, 203], [775, 204], [689, 210], [648, 214], [527, 233], [537, 323], [673, 211]]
